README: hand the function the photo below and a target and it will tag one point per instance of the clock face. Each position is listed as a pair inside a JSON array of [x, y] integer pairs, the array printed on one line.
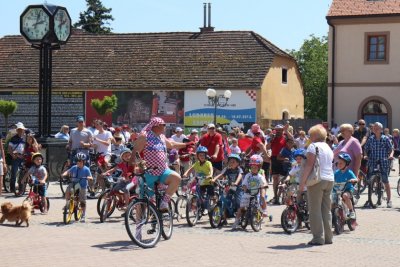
[[35, 24], [62, 25]]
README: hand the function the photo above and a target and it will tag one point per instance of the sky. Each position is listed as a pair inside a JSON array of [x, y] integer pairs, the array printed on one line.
[[285, 23]]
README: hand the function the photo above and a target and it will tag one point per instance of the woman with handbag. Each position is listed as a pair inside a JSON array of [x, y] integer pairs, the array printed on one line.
[[318, 175]]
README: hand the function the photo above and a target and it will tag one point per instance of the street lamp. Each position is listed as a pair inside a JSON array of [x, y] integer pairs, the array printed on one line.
[[217, 100]]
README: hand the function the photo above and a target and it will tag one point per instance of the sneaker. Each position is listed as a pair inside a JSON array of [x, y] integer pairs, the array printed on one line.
[[164, 206], [265, 213], [352, 215], [389, 204], [83, 219], [235, 224]]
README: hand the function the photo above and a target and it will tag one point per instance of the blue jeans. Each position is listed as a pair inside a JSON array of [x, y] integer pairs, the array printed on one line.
[[15, 165]]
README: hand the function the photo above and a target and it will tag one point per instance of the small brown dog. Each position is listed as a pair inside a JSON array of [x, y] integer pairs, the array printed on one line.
[[17, 214]]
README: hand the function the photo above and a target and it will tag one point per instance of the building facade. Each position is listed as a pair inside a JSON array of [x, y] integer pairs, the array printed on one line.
[[364, 61]]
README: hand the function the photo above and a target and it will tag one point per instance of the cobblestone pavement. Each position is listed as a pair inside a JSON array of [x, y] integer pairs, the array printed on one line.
[[48, 241]]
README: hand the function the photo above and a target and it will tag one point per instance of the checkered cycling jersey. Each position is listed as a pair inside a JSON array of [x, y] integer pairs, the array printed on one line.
[[155, 153], [378, 150]]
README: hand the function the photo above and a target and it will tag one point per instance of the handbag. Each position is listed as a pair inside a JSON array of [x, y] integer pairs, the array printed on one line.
[[315, 175]]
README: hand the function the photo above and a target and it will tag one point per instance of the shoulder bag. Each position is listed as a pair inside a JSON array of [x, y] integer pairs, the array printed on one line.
[[315, 175]]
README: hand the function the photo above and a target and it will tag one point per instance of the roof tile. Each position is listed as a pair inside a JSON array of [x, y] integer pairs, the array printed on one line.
[[343, 8]]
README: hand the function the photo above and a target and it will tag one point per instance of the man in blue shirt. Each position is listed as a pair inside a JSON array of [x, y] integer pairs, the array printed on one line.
[[379, 149]]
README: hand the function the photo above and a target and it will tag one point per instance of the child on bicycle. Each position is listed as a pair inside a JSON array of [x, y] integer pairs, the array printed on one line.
[[295, 172], [203, 169], [233, 173], [127, 170], [80, 174], [39, 176], [342, 176], [253, 181]]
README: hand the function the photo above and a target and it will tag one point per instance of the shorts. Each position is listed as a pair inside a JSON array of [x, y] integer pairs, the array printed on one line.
[[335, 195], [152, 179], [121, 185], [245, 200], [41, 189], [265, 167], [384, 176], [277, 167], [217, 165], [82, 191]]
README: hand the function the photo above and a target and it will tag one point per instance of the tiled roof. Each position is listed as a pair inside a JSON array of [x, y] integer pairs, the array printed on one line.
[[179, 60], [343, 8]]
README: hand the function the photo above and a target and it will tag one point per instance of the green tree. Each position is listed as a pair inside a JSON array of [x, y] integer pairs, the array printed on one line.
[[7, 108], [95, 18], [106, 106], [312, 59]]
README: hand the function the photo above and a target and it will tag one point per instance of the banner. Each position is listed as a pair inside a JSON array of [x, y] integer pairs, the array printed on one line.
[[239, 109]]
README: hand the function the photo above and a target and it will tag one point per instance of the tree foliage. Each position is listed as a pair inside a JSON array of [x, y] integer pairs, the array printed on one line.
[[312, 59], [106, 106], [7, 108], [95, 18]]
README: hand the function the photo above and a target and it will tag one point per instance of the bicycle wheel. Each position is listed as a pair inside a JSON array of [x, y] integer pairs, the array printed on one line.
[[375, 187], [7, 180], [192, 210], [64, 181], [41, 207], [68, 212], [216, 216], [20, 187], [180, 207], [78, 212], [100, 201], [244, 220], [289, 220], [107, 207], [142, 223], [256, 219], [93, 188], [338, 220], [398, 187], [362, 182], [167, 223]]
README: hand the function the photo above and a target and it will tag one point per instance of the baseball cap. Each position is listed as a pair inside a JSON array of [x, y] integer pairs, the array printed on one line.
[[194, 131], [20, 125], [279, 126], [211, 125], [80, 118], [178, 129]]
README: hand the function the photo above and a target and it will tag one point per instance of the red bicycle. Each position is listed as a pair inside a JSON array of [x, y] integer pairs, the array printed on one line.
[[35, 199]]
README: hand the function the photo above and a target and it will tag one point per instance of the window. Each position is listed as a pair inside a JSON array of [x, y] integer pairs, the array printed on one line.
[[284, 75], [377, 48]]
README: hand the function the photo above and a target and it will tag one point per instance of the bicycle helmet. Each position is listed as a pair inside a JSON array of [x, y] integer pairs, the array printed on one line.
[[80, 156], [201, 149], [125, 150], [234, 156], [346, 157], [35, 155], [256, 160], [300, 153]]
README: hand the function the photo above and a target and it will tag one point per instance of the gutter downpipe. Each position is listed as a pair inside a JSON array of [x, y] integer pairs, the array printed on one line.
[[333, 71]]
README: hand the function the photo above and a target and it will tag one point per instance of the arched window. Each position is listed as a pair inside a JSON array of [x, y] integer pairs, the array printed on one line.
[[285, 115], [375, 110]]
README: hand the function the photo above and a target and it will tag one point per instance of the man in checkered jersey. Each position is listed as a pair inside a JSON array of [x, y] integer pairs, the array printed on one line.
[[153, 145]]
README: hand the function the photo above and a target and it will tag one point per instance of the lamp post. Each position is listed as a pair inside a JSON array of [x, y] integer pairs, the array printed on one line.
[[217, 100]]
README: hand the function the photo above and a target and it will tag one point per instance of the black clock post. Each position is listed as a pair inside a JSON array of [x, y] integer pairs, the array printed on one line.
[[46, 27]]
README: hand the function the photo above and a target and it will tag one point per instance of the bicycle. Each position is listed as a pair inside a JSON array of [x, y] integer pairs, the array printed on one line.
[[376, 187], [74, 206], [64, 180], [253, 213], [295, 212], [34, 198], [181, 201], [144, 212], [340, 213], [197, 203], [398, 186], [226, 206], [20, 188], [97, 166]]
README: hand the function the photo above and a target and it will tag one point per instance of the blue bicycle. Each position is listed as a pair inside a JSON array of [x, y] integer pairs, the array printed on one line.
[[226, 206]]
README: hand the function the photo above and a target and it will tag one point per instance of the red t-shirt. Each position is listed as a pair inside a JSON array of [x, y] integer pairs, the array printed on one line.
[[277, 144], [125, 168], [254, 145], [184, 151], [210, 142], [244, 143]]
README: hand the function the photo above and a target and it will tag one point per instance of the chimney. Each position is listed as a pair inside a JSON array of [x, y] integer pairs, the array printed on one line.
[[207, 28]]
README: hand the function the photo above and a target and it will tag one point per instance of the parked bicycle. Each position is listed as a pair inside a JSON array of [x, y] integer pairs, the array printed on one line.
[[145, 223]]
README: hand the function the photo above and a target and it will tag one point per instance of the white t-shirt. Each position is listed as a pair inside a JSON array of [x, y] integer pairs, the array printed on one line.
[[325, 159], [235, 149], [178, 139], [102, 148], [301, 143]]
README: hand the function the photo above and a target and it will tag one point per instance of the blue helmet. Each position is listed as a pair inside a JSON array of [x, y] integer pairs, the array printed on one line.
[[201, 149], [345, 156], [300, 153], [234, 156]]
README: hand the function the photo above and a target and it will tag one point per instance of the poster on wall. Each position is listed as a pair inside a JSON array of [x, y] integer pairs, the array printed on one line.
[[64, 107], [91, 113], [137, 107], [240, 109]]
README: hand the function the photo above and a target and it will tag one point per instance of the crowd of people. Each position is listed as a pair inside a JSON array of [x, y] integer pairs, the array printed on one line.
[[214, 153]]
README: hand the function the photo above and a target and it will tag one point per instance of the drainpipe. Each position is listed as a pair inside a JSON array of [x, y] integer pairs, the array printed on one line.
[[333, 72]]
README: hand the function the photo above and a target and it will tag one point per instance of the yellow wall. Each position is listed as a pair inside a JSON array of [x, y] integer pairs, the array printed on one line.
[[276, 97]]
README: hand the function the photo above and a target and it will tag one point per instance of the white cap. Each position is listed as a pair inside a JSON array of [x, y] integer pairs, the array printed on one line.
[[211, 125], [194, 131], [20, 125], [178, 129]]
